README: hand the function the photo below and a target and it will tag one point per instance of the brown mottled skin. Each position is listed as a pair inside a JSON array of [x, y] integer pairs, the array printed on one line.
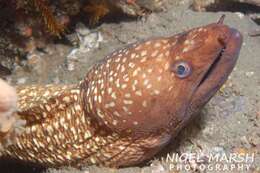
[[130, 105]]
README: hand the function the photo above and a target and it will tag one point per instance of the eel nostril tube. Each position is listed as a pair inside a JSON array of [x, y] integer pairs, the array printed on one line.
[[221, 19]]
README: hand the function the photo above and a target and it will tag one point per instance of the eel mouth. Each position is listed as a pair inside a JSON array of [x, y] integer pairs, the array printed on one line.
[[212, 67], [219, 70]]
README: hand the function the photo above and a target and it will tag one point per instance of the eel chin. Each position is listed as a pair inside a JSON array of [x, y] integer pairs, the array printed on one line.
[[218, 72]]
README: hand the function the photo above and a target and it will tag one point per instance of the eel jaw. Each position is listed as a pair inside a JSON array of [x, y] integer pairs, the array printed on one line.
[[218, 72]]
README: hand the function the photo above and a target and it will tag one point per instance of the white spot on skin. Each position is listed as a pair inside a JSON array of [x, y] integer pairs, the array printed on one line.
[[144, 103], [187, 42], [99, 99], [66, 99], [128, 102], [116, 114], [165, 41], [115, 75], [87, 134], [149, 86], [125, 109], [109, 90], [100, 114], [127, 95], [110, 105], [124, 86], [166, 47], [144, 53], [122, 68], [68, 116], [148, 42], [132, 65], [138, 47], [111, 73], [157, 92], [160, 57], [150, 70], [133, 55], [102, 86], [118, 66], [48, 139], [46, 93], [158, 44], [113, 95], [44, 114], [48, 108], [136, 71], [125, 76], [139, 93], [133, 87], [166, 66], [114, 122], [146, 81], [143, 59], [117, 83], [155, 53], [92, 160], [186, 49]]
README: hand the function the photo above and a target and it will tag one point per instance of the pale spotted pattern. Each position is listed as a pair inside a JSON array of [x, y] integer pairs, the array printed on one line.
[[67, 125], [118, 87]]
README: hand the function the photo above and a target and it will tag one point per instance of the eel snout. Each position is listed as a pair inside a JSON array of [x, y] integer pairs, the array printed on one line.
[[221, 68]]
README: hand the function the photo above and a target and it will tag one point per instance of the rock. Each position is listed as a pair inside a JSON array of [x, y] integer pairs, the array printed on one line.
[[88, 40], [202, 5]]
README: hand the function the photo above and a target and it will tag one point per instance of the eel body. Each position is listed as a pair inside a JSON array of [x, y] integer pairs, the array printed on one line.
[[128, 106]]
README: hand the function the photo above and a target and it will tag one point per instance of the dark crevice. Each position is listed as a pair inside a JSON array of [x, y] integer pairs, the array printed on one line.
[[13, 166], [257, 20], [232, 6]]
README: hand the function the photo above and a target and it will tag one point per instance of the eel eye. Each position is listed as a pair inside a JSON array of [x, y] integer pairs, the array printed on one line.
[[182, 69]]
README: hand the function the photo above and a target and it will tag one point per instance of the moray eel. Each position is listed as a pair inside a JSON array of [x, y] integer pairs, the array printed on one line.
[[129, 105]]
